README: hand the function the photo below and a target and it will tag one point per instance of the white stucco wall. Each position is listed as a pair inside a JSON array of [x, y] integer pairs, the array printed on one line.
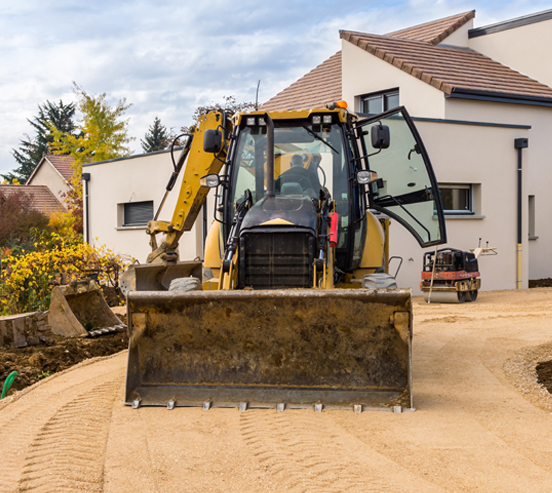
[[525, 49], [483, 156], [49, 176], [365, 73], [135, 179], [537, 166]]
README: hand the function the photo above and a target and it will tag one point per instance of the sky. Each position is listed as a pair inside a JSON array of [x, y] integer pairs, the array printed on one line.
[[167, 57]]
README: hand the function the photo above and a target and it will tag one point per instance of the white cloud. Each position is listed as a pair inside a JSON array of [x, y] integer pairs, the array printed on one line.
[[169, 56]]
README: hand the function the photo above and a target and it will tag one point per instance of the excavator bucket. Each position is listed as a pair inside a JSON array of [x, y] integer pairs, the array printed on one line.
[[294, 348], [79, 309]]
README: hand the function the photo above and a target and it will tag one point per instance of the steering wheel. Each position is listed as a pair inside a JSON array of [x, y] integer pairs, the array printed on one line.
[[295, 175]]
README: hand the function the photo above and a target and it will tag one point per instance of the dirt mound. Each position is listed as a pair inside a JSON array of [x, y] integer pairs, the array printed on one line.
[[541, 283], [59, 353], [544, 372]]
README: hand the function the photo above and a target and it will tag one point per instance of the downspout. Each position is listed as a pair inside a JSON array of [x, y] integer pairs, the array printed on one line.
[[519, 144], [86, 179]]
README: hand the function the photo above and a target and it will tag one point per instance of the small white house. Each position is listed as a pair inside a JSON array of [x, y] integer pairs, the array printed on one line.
[[122, 195], [54, 172]]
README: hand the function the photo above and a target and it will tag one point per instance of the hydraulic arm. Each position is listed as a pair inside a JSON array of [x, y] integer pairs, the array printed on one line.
[[192, 195]]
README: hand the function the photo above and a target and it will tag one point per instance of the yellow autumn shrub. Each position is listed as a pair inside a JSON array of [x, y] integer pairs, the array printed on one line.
[[26, 280]]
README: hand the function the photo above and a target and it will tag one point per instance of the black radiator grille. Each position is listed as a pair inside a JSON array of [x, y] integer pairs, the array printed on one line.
[[276, 260]]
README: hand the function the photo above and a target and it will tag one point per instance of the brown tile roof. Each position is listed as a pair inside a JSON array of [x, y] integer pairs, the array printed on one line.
[[435, 31], [414, 51], [320, 86], [40, 196], [62, 164], [448, 69]]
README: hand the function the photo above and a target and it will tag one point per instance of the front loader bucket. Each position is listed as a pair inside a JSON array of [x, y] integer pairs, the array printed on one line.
[[78, 308], [280, 348]]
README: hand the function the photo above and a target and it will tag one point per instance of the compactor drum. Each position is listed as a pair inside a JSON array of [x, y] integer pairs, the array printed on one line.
[[294, 307], [450, 276]]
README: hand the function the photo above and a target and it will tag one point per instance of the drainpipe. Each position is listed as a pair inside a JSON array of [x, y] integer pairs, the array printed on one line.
[[519, 144], [86, 179]]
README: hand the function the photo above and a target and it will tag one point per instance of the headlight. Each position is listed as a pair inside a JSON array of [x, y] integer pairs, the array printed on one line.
[[251, 120], [327, 119], [210, 181], [364, 177], [316, 120]]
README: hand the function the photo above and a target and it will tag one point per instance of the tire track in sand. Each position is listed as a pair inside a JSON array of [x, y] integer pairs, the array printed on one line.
[[22, 420], [303, 454], [68, 453]]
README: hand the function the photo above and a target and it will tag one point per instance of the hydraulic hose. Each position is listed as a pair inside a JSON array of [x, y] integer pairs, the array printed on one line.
[[8, 383]]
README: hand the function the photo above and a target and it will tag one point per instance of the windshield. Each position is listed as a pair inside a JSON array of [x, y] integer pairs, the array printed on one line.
[[306, 158]]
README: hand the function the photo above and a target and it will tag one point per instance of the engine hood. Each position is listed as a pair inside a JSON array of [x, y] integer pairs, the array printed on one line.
[[288, 212]]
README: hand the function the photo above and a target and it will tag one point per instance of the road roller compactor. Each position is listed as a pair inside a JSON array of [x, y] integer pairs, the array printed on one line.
[[292, 305]]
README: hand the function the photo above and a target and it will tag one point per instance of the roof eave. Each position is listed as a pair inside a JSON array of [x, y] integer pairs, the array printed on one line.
[[500, 97]]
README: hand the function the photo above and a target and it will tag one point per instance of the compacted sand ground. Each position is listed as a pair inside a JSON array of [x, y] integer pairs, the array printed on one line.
[[482, 423]]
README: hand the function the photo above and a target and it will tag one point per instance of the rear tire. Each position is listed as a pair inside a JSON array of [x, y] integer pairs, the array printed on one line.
[[472, 295], [461, 296], [379, 281], [185, 284]]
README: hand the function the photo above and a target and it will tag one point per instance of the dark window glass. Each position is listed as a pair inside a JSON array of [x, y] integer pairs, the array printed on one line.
[[379, 103], [456, 199], [137, 213]]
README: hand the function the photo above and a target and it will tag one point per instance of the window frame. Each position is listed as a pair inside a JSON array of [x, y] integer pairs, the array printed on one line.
[[384, 97], [123, 217], [458, 186]]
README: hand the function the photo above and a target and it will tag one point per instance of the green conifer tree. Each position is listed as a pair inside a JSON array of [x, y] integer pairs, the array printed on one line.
[[32, 148], [157, 137]]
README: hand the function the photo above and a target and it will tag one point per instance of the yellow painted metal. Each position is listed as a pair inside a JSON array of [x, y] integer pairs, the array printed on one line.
[[277, 222], [211, 255], [342, 113], [374, 245], [200, 163], [519, 265]]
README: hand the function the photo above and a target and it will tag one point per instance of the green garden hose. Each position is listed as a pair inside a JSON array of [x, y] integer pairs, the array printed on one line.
[[8, 383]]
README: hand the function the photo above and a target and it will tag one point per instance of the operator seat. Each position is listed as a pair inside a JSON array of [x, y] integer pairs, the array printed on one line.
[[298, 180]]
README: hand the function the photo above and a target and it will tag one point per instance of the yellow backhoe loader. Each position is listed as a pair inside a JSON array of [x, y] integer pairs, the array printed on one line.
[[293, 305]]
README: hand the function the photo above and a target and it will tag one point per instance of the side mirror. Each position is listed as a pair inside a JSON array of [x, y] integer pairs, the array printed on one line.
[[381, 137], [212, 141]]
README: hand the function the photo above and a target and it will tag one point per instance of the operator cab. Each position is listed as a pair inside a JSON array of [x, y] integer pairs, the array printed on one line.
[[308, 157]]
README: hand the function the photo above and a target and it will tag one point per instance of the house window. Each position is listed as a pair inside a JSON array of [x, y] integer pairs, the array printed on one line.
[[137, 213], [457, 198], [379, 102]]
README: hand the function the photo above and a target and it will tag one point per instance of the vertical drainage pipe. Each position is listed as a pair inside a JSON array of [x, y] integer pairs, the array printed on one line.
[[86, 179], [519, 144]]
